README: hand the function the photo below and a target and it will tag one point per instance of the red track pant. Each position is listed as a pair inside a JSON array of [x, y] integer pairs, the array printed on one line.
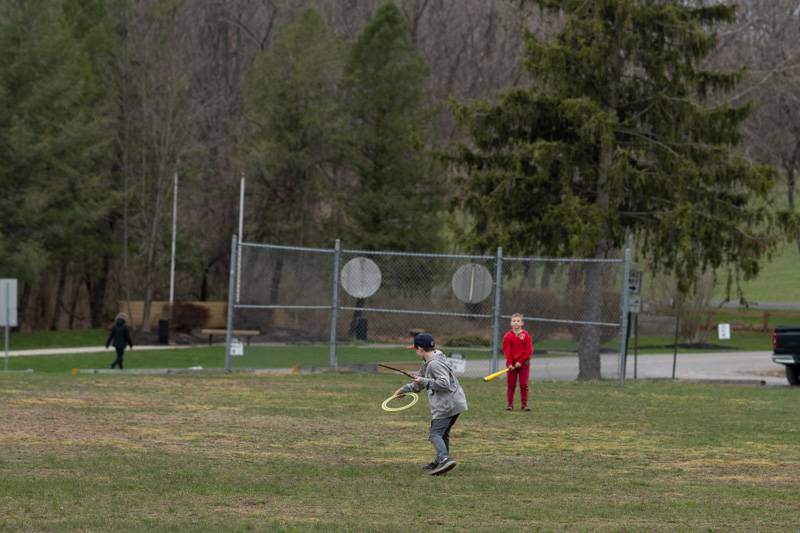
[[522, 373]]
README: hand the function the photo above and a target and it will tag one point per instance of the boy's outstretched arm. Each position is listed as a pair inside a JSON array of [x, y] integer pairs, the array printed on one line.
[[440, 380], [414, 386]]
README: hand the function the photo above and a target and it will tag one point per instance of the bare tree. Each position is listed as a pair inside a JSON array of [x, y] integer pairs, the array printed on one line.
[[766, 42], [154, 133]]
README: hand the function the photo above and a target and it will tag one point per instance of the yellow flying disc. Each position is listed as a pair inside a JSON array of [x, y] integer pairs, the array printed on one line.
[[385, 404]]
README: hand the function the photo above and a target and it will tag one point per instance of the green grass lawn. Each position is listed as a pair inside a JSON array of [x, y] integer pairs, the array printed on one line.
[[70, 338], [779, 280], [753, 317], [317, 355], [244, 452]]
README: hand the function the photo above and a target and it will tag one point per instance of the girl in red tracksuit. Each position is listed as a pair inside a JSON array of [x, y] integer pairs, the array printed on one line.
[[518, 349]]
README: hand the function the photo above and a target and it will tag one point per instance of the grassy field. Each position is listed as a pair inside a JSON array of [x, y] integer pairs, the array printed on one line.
[[779, 280], [316, 453], [56, 339], [310, 356]]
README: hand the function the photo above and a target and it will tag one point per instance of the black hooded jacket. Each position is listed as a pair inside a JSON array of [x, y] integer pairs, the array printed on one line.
[[119, 335]]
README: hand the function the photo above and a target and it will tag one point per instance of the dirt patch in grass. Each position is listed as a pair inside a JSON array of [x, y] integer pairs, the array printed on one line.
[[202, 418], [286, 509], [729, 467]]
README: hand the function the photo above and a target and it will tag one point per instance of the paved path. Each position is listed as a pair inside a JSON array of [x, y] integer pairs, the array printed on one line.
[[736, 366], [746, 367], [87, 349]]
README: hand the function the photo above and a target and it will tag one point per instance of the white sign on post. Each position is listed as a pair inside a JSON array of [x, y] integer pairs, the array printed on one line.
[[8, 303], [634, 303], [634, 291], [457, 363], [724, 331], [634, 282], [237, 348], [8, 312]]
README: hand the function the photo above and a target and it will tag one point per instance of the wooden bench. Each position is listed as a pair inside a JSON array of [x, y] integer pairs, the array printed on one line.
[[246, 333]]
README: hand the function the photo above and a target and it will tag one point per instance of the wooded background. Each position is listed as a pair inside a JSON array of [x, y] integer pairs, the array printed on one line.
[[103, 101]]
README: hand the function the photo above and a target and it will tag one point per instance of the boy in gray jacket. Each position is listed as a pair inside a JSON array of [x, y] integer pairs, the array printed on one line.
[[445, 395]]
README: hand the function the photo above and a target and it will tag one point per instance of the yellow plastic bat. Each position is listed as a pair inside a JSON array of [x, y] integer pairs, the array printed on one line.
[[495, 375]]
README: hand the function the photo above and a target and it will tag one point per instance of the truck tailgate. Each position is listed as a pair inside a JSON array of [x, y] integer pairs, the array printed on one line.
[[787, 340]]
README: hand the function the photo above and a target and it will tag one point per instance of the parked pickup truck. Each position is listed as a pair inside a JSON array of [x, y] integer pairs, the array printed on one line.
[[786, 351]]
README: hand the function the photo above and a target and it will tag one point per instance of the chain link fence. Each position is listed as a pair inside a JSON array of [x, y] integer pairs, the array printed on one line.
[[338, 297]]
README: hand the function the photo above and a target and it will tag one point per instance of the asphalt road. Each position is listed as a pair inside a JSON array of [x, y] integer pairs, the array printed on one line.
[[745, 367]]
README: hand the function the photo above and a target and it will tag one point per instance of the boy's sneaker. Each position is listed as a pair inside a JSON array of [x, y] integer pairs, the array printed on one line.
[[445, 466], [526, 408], [509, 407], [430, 466]]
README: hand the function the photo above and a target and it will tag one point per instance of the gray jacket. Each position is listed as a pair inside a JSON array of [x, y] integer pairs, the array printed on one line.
[[444, 391]]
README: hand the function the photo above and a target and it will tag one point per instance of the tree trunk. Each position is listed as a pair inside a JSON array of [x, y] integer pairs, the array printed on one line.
[[42, 303], [96, 292], [352, 329], [546, 273], [59, 299], [530, 273], [148, 299], [204, 283], [274, 291], [73, 306], [24, 298], [150, 263], [791, 183], [589, 344]]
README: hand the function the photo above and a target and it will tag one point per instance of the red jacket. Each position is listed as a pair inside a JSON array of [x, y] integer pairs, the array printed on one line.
[[517, 349]]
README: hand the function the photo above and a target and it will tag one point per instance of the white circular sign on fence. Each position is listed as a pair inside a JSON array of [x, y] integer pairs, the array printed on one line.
[[361, 277], [472, 283]]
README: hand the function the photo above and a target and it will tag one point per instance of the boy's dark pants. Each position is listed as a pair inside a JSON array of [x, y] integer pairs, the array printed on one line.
[[440, 436], [118, 361]]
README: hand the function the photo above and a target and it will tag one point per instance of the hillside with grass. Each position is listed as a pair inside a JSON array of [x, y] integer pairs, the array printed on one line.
[[779, 280]]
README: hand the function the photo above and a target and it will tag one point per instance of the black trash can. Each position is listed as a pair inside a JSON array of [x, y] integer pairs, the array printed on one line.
[[362, 326], [163, 331]]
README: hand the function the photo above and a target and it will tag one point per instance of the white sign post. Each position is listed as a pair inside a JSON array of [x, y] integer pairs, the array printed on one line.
[[457, 363], [724, 332], [8, 310], [635, 282], [237, 348], [634, 304], [634, 308]]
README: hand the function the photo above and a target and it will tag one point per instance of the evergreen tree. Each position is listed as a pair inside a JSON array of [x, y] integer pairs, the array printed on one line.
[[397, 198], [619, 133], [52, 136], [97, 244], [293, 149]]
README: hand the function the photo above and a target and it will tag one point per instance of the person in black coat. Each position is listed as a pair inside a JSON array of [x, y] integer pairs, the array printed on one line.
[[119, 336]]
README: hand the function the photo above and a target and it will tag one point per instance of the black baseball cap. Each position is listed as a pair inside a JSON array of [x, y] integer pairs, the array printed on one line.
[[423, 340]]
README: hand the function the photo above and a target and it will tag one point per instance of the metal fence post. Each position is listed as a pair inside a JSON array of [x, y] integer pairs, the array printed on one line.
[[623, 327], [231, 301], [498, 300], [337, 255]]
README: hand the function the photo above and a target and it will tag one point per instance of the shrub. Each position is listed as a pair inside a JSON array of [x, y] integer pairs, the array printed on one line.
[[187, 316], [469, 340]]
